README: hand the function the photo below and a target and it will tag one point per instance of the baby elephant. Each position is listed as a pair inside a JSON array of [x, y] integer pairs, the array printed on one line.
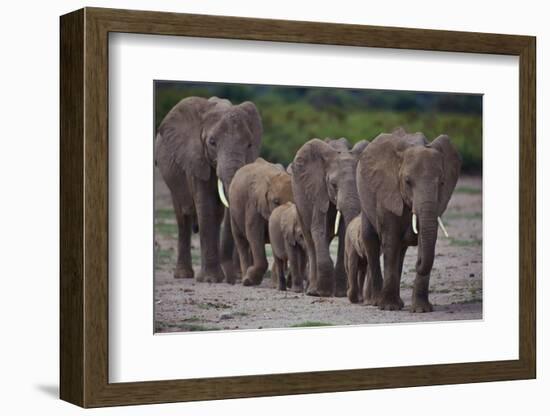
[[256, 190], [287, 243], [355, 260]]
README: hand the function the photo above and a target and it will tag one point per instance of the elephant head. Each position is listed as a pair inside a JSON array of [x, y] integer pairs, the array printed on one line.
[[273, 189], [324, 173], [411, 178], [204, 135]]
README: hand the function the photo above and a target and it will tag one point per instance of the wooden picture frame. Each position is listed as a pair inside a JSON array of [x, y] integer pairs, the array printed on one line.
[[84, 207]]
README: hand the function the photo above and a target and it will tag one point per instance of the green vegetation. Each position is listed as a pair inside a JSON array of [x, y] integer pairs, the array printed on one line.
[[467, 190], [306, 324], [293, 115], [465, 243]]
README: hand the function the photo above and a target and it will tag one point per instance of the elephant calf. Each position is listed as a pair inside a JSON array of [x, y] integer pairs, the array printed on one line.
[[355, 260], [256, 190], [287, 243]]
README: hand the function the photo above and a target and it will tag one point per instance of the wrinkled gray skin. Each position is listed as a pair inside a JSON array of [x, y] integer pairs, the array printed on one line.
[[199, 141], [288, 245], [355, 260], [324, 181], [257, 189], [400, 174]]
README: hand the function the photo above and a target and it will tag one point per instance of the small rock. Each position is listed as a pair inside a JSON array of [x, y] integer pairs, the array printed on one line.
[[226, 315], [472, 275]]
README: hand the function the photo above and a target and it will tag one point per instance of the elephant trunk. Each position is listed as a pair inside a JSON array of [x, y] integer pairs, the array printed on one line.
[[348, 202], [226, 168], [427, 237]]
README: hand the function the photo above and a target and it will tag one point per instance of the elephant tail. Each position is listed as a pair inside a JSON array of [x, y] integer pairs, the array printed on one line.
[[195, 226]]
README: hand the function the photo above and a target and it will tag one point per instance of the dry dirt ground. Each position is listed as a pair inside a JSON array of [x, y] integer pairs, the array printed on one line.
[[455, 285]]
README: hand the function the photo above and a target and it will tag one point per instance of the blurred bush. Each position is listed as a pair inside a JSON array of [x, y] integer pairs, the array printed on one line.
[[293, 115]]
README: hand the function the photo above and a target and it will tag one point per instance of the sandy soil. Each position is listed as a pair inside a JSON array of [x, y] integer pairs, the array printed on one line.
[[455, 286]]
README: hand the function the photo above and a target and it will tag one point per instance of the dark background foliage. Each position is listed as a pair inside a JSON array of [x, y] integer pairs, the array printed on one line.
[[293, 115]]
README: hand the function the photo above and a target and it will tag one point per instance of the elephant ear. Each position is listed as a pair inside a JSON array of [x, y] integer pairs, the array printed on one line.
[[379, 166], [358, 148], [341, 144], [180, 137], [254, 123], [452, 161], [308, 173], [260, 187]]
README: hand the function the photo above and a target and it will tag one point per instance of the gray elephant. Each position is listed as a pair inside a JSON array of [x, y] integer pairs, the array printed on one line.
[[288, 245], [405, 184], [355, 260], [256, 190], [324, 184], [200, 144]]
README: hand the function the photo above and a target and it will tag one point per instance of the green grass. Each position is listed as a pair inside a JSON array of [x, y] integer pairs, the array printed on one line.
[[306, 324], [164, 214], [463, 216], [467, 190], [184, 327], [166, 228], [465, 243]]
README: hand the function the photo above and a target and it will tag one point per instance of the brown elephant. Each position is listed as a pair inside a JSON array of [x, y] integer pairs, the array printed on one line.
[[405, 184], [200, 144], [355, 260], [256, 190], [324, 183], [287, 244]]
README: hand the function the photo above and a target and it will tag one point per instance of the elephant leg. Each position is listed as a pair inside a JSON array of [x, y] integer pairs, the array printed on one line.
[[389, 298], [373, 285], [352, 260], [294, 265], [420, 302], [312, 261], [255, 233], [184, 266], [243, 250], [236, 262], [361, 273], [227, 248], [339, 270], [324, 284], [279, 268], [209, 217]]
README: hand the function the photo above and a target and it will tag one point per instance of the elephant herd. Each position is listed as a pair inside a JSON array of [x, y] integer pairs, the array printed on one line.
[[378, 198]]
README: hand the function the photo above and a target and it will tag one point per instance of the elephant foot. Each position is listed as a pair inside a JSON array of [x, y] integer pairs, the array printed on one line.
[[390, 303], [340, 292], [210, 276], [353, 296], [314, 291], [421, 305], [247, 281], [229, 273], [297, 288], [182, 272], [254, 276]]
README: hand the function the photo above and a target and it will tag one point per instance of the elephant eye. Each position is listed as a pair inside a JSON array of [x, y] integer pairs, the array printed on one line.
[[276, 201], [408, 181], [249, 145], [212, 142]]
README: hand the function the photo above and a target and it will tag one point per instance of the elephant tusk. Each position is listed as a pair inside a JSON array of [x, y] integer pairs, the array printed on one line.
[[440, 221], [415, 230], [337, 222], [221, 194]]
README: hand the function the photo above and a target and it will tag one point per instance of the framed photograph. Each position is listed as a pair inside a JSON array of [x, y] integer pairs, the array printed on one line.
[[256, 207]]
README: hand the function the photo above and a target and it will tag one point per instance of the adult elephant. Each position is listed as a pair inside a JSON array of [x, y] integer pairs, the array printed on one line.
[[256, 190], [405, 184], [324, 183], [200, 145]]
